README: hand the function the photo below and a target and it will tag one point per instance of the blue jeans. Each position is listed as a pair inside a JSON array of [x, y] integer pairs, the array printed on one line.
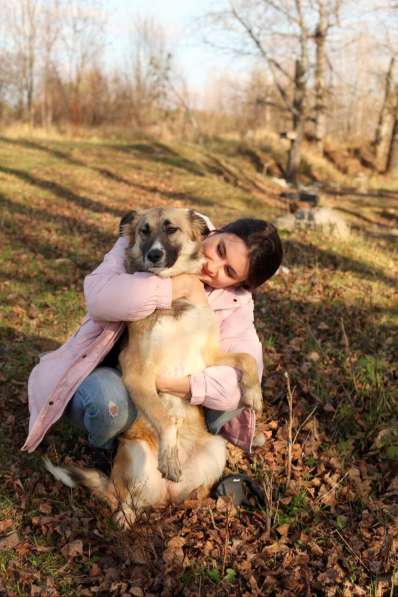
[[102, 408]]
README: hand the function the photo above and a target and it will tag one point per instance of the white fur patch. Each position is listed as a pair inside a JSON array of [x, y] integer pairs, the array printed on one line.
[[59, 473], [157, 245], [187, 336]]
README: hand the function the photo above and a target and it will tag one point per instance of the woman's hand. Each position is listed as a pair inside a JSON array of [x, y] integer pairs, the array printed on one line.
[[190, 287], [179, 386]]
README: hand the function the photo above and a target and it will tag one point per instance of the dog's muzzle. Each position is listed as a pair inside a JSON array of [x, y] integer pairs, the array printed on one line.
[[156, 257]]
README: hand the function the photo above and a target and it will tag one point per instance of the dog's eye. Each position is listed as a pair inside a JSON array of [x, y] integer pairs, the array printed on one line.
[[145, 230], [171, 230]]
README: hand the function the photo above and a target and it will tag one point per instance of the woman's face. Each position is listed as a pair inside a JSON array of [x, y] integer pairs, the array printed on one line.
[[226, 260]]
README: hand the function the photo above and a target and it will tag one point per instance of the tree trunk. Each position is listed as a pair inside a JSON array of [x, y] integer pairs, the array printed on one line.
[[385, 125], [298, 119], [47, 108], [392, 156], [320, 68]]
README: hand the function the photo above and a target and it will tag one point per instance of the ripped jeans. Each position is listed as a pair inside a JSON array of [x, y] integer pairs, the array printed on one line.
[[103, 409]]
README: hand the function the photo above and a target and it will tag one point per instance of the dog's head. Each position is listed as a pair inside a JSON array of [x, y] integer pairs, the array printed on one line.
[[164, 241]]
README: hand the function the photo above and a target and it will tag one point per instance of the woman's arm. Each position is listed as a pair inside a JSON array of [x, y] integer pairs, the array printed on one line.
[[218, 387], [114, 295], [178, 386]]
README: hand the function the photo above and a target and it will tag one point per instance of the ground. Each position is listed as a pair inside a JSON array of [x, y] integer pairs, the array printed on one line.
[[328, 328]]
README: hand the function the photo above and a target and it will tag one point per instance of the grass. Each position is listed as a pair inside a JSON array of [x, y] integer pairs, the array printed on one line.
[[60, 204]]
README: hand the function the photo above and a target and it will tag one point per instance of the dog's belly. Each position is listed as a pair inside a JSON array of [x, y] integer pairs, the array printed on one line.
[[178, 347], [178, 344]]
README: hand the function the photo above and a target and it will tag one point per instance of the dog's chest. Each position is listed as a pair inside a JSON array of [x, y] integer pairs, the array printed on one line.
[[177, 344]]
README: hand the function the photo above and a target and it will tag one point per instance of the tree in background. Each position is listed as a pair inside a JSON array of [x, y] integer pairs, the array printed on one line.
[[391, 164], [305, 74], [386, 120], [328, 14], [48, 47], [149, 62], [51, 27], [22, 22], [82, 45], [156, 89], [281, 35]]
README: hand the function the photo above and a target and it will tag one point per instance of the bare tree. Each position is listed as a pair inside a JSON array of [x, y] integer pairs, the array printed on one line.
[[50, 34], [22, 17], [327, 17], [279, 33], [392, 155], [386, 120], [149, 68], [157, 89], [82, 41]]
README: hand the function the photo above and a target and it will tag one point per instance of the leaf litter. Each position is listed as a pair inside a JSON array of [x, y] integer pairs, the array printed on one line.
[[331, 530]]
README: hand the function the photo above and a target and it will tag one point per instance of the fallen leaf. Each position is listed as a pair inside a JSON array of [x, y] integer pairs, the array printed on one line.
[[95, 570], [5, 524], [174, 551], [315, 549], [176, 542], [45, 508], [73, 549], [296, 451], [328, 408], [283, 530], [275, 548], [10, 541]]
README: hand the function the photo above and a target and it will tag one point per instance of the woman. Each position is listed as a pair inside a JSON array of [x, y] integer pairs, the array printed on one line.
[[81, 377]]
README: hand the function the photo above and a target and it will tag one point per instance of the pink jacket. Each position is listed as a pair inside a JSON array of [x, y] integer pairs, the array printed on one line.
[[114, 296]]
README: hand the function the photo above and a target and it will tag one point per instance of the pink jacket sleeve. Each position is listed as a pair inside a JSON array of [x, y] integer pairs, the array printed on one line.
[[218, 387], [113, 295]]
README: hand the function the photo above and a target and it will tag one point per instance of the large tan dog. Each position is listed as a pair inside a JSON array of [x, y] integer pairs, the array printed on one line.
[[168, 453]]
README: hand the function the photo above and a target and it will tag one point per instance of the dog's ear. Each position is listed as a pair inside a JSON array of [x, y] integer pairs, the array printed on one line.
[[198, 226], [127, 226]]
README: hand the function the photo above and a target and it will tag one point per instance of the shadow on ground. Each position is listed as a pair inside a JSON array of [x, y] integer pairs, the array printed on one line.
[[308, 255]]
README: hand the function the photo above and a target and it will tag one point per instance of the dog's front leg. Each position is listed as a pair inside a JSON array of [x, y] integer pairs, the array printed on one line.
[[142, 390], [249, 383]]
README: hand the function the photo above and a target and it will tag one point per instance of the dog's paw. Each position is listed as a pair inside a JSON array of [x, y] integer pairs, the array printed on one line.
[[169, 464], [252, 397], [125, 517]]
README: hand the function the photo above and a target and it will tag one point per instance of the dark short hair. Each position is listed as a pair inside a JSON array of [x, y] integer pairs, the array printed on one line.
[[264, 245]]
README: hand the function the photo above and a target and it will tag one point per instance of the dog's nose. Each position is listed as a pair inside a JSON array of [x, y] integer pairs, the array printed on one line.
[[155, 255]]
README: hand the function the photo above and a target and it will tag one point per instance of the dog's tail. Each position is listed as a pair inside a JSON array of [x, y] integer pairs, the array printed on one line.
[[94, 480]]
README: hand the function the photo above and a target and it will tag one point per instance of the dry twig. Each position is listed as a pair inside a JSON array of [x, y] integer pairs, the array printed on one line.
[[348, 353], [290, 431], [268, 485]]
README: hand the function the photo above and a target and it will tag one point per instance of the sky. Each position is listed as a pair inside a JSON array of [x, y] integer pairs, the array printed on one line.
[[195, 58], [198, 62]]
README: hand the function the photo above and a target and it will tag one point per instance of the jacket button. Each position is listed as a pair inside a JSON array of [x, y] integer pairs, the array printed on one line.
[[84, 356], [51, 403], [235, 300]]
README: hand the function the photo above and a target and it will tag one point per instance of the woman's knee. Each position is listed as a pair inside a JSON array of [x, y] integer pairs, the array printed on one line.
[[109, 392], [102, 406]]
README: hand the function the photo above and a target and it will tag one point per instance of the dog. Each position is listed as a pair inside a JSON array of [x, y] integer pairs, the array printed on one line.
[[167, 454]]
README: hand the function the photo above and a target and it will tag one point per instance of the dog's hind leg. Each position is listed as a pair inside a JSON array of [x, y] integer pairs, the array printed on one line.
[[144, 395], [144, 484], [201, 471]]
